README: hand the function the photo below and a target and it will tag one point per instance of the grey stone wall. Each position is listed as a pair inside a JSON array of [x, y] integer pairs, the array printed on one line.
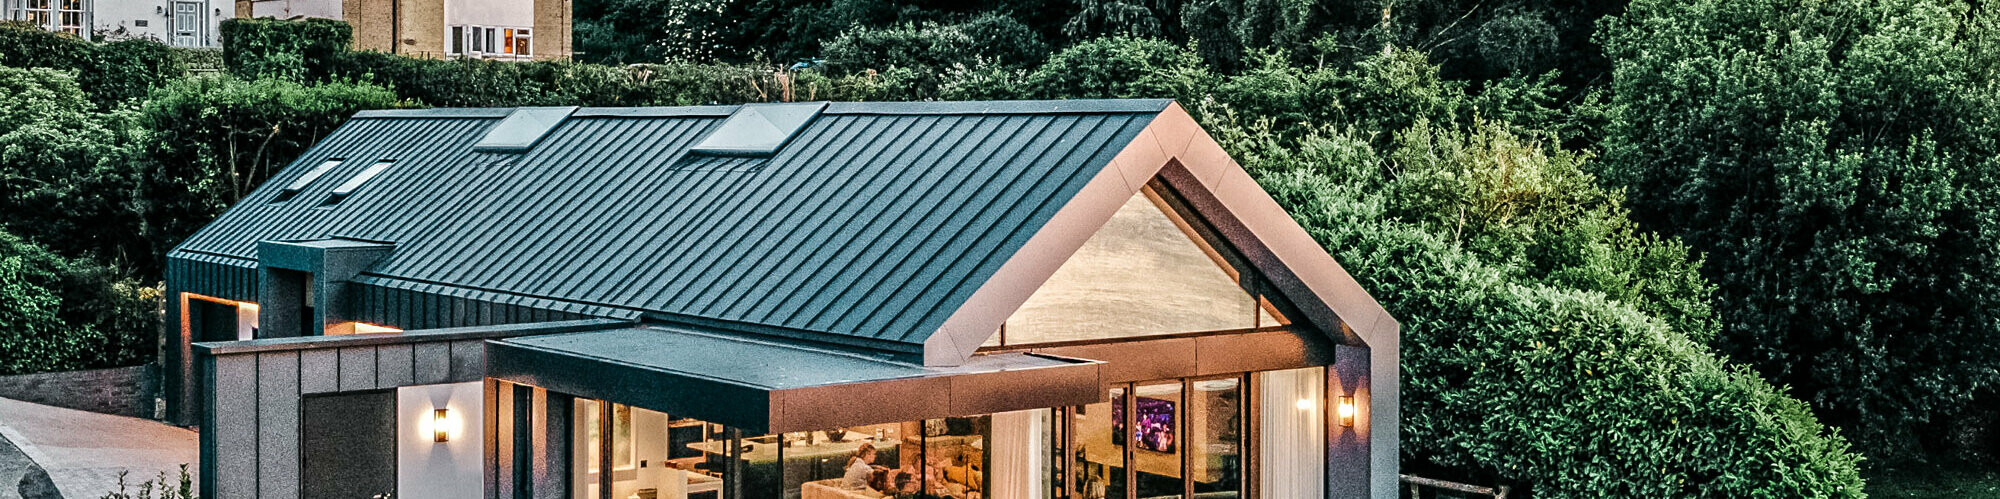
[[124, 391]]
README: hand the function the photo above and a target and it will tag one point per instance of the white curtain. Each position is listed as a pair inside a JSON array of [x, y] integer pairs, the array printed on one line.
[[1018, 455], [1292, 450]]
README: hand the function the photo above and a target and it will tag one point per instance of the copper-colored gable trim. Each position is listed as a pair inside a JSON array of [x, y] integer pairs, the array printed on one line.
[[1176, 149]]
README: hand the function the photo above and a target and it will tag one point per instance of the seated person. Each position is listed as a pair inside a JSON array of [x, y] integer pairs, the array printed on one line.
[[962, 473], [861, 467]]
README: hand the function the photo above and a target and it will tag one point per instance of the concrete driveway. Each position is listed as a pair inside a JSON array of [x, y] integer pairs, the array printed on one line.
[[83, 452]]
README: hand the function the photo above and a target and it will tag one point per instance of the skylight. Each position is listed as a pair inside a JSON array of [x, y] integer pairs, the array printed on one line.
[[305, 180], [521, 129], [758, 129], [346, 189]]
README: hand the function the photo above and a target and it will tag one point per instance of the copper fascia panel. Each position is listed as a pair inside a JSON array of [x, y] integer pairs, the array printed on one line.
[[1138, 360], [834, 406], [929, 397], [1003, 391], [1144, 359]]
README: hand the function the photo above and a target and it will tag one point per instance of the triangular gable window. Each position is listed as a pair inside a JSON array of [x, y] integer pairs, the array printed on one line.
[[1148, 271]]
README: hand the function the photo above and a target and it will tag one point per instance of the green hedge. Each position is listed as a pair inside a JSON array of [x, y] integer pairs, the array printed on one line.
[[113, 74], [292, 50]]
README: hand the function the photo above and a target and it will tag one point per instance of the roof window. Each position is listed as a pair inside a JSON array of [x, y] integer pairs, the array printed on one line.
[[521, 129], [305, 180], [346, 189], [758, 129]]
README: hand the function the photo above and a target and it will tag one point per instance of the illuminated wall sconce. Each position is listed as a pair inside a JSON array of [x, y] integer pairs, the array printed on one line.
[[440, 425], [1346, 411]]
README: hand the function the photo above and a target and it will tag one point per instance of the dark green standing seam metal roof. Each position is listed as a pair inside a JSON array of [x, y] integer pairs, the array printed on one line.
[[874, 224]]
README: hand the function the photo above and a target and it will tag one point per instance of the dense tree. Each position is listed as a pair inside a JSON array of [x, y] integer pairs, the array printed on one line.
[[1836, 159], [65, 173], [1547, 344], [210, 140]]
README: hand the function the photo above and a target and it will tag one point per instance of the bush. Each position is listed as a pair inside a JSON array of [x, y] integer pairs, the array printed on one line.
[[1563, 393], [25, 45], [124, 71], [1121, 68], [58, 314], [211, 140], [111, 74], [1547, 343], [987, 40], [293, 50]]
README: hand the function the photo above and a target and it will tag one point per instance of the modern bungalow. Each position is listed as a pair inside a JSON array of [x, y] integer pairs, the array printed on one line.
[[967, 300]]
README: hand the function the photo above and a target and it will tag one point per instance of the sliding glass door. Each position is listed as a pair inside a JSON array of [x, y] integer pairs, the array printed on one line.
[[1254, 435]]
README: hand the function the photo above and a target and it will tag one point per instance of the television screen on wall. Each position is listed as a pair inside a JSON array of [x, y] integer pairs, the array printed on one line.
[[1154, 424]]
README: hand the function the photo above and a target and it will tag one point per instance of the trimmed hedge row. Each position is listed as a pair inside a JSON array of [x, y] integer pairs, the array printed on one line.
[[113, 73]]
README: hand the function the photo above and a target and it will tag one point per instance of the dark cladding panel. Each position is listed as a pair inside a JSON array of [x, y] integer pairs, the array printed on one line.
[[394, 366], [319, 370], [357, 368], [433, 363], [278, 425], [232, 431], [468, 361]]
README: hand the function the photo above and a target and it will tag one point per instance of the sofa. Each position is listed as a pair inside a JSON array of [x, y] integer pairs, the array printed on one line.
[[831, 489]]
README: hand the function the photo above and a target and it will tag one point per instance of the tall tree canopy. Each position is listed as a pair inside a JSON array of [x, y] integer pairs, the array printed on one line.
[[1837, 161]]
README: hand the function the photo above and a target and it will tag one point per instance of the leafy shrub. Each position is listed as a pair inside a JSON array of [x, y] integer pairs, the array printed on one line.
[[111, 73], [1121, 68], [1562, 392], [25, 45], [58, 314], [987, 40], [293, 50], [211, 140], [125, 71]]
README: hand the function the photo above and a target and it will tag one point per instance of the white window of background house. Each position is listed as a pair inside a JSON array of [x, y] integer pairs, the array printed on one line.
[[491, 42], [64, 16]]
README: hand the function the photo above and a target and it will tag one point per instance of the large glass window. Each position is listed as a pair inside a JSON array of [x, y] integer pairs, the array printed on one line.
[[651, 454], [1215, 436], [1149, 270], [1097, 449], [1154, 421], [1291, 450], [1183, 438]]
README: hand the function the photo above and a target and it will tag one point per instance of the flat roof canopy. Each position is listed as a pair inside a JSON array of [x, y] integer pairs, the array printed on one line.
[[763, 385]]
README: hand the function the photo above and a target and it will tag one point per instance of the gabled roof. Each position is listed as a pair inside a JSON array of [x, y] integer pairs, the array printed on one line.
[[872, 226]]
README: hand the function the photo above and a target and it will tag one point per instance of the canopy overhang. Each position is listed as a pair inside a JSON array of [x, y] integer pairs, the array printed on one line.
[[763, 385]]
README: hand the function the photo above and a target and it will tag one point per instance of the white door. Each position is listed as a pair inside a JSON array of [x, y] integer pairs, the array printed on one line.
[[187, 24]]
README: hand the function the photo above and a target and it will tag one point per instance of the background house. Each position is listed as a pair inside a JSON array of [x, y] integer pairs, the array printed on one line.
[[495, 29], [180, 23]]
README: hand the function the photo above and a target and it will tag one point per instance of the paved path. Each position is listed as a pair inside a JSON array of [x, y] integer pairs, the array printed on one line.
[[20, 477], [84, 451]]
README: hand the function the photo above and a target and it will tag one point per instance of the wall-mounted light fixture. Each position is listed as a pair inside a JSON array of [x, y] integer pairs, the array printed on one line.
[[1346, 411], [440, 425]]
